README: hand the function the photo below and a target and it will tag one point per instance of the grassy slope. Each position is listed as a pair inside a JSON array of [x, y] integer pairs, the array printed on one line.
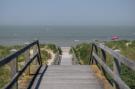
[[5, 50], [83, 50]]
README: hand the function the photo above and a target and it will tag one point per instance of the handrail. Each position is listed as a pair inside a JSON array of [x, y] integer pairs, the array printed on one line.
[[16, 54], [13, 56], [118, 56], [57, 59], [74, 57], [19, 73], [118, 59]]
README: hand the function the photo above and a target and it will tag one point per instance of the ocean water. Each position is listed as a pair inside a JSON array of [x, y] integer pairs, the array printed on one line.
[[63, 35]]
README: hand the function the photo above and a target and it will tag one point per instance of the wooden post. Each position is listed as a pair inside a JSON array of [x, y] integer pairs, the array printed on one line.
[[116, 70], [35, 50], [103, 55], [27, 58], [104, 60], [91, 56], [96, 50], [38, 48], [14, 68]]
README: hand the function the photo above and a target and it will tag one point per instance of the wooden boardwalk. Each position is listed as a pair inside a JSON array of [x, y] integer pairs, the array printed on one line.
[[68, 76], [66, 57]]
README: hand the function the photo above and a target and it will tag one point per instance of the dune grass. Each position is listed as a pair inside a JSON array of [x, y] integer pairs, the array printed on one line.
[[5, 71], [126, 48]]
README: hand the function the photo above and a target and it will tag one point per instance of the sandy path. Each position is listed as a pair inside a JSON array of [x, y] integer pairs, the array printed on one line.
[[66, 57]]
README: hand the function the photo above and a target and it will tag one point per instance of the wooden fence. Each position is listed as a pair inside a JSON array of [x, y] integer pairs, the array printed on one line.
[[118, 60], [12, 60]]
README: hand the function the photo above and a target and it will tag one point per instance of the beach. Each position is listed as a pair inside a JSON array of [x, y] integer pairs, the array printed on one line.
[[63, 35]]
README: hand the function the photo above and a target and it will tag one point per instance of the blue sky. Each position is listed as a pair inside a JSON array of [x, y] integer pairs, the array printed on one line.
[[67, 12]]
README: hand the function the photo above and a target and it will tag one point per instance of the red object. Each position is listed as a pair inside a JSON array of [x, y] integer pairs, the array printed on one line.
[[115, 37]]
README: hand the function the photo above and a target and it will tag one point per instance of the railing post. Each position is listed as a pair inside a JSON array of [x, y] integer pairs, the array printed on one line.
[[34, 52], [96, 49], [75, 61], [91, 60], [40, 58], [103, 55], [14, 68], [104, 60], [27, 57], [116, 70]]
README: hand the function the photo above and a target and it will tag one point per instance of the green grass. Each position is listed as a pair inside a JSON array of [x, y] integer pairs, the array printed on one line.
[[83, 51], [5, 50], [128, 51], [126, 74], [45, 54], [5, 71], [4, 75]]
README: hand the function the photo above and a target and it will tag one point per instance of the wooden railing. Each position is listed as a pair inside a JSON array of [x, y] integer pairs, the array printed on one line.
[[75, 60], [118, 60], [57, 59], [12, 60]]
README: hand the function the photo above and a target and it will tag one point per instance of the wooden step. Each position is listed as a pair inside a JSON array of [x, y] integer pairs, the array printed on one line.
[[69, 77]]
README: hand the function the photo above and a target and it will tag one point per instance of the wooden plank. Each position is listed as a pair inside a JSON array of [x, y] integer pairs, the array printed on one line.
[[69, 77], [116, 78], [14, 68], [16, 54], [66, 57], [118, 56], [27, 58], [116, 70], [75, 60], [18, 74]]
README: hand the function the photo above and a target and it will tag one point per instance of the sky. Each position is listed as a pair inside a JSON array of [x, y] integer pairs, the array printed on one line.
[[67, 12]]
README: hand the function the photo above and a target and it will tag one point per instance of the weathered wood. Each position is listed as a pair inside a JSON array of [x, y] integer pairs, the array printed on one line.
[[40, 58], [104, 60], [103, 55], [75, 60], [18, 74], [12, 58], [14, 55], [13, 64], [90, 60], [14, 67], [35, 50], [57, 59], [66, 57], [115, 77], [38, 77], [27, 58], [122, 59], [96, 51], [116, 71], [69, 77]]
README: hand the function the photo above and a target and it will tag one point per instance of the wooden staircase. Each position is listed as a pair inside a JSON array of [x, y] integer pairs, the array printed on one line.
[[69, 77]]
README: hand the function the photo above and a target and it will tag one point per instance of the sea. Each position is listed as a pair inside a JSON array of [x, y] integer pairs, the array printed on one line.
[[63, 35]]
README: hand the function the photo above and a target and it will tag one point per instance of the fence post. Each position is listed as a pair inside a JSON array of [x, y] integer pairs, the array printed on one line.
[[34, 52], [96, 50], [91, 59], [116, 70], [27, 58], [40, 58], [104, 60], [14, 68], [103, 55]]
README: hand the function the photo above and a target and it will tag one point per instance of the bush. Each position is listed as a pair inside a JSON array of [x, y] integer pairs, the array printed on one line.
[[83, 52]]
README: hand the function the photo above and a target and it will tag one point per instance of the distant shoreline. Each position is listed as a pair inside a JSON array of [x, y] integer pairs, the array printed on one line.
[[59, 43]]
